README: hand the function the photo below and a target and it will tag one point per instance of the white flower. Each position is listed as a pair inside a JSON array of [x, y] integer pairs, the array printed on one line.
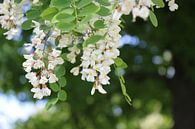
[[12, 33], [46, 91], [28, 56], [99, 88], [172, 5], [38, 64], [104, 69], [75, 71], [65, 41], [117, 15], [111, 53], [142, 12], [147, 3], [55, 53], [58, 60], [28, 65], [104, 79], [43, 80], [125, 7], [32, 78], [52, 78], [54, 61], [89, 75], [39, 52], [40, 93], [37, 93], [74, 51], [51, 66], [36, 42]]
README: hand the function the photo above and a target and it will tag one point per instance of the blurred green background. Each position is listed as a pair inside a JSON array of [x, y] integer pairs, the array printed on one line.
[[160, 79]]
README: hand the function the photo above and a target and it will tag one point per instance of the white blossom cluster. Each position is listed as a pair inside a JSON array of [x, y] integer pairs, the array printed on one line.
[[98, 58], [139, 9], [40, 64], [10, 18], [70, 42]]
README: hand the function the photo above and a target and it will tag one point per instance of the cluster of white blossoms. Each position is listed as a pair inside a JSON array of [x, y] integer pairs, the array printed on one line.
[[98, 58], [70, 42], [41, 63], [139, 9], [10, 18]]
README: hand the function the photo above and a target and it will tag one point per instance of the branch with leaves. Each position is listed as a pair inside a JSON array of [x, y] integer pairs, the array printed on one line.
[[85, 33]]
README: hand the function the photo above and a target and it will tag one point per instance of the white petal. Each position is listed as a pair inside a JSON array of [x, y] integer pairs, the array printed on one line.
[[101, 90], [93, 91], [46, 91], [52, 78], [38, 96]]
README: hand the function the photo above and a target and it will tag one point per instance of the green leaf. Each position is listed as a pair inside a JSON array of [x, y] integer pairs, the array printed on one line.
[[81, 28], [92, 40], [60, 4], [120, 63], [68, 11], [64, 56], [60, 71], [104, 11], [159, 3], [27, 25], [62, 82], [86, 19], [99, 24], [83, 3], [51, 103], [32, 14], [124, 91], [49, 13], [54, 86], [122, 83], [104, 2], [89, 9], [63, 17], [65, 27], [153, 19], [62, 95]]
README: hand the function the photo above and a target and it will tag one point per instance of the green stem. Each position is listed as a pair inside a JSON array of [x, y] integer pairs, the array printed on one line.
[[75, 10]]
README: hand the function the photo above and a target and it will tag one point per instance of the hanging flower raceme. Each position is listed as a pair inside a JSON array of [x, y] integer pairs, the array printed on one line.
[[41, 63], [97, 59], [10, 17]]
